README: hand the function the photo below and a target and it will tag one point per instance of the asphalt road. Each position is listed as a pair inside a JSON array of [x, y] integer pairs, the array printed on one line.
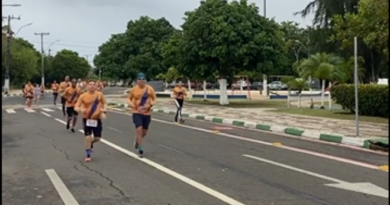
[[183, 165]]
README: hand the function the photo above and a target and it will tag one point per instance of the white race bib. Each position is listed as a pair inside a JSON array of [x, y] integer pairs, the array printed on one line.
[[92, 123]]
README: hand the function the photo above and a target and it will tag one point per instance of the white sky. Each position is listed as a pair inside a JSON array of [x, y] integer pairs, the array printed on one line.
[[83, 25]]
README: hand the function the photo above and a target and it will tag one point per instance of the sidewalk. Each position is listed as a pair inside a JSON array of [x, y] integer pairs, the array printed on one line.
[[325, 129]]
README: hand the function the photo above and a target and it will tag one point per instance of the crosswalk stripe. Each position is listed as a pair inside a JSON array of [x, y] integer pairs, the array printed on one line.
[[47, 109], [60, 108], [29, 110], [9, 111]]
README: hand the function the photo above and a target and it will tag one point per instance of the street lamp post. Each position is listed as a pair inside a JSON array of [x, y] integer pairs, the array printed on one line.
[[24, 26]]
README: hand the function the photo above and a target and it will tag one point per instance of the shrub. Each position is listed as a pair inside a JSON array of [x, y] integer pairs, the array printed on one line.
[[373, 99]]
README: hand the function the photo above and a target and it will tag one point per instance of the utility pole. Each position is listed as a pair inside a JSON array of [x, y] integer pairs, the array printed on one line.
[[42, 34], [265, 83], [8, 53]]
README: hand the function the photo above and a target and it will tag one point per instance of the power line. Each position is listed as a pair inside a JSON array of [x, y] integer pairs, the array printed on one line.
[[72, 45]]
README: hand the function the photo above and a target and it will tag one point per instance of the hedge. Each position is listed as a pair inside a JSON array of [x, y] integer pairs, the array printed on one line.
[[373, 99]]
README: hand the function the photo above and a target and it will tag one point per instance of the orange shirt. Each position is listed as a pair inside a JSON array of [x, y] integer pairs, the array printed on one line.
[[29, 90], [55, 87], [63, 86], [136, 94], [86, 100], [179, 92], [71, 95]]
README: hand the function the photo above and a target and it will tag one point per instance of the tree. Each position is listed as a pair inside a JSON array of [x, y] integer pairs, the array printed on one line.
[[326, 67], [171, 75], [370, 24], [298, 84], [222, 38], [137, 50], [67, 62]]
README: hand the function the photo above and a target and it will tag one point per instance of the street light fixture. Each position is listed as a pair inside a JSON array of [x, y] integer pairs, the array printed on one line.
[[24, 26], [13, 5], [52, 44]]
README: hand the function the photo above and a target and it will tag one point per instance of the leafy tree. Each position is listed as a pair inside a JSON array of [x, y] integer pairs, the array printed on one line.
[[171, 75], [223, 38], [138, 49], [67, 62], [298, 84], [326, 67]]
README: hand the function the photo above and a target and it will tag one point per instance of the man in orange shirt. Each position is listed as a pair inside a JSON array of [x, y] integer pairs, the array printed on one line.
[[141, 99], [63, 85], [179, 92], [92, 105], [54, 88], [71, 94]]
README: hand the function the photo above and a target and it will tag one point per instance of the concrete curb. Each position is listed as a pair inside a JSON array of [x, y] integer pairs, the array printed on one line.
[[20, 94], [294, 132]]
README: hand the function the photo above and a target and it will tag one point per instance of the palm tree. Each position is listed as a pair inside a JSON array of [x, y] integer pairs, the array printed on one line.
[[326, 67], [296, 84]]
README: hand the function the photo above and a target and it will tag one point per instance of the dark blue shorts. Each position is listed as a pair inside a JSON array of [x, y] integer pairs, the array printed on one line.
[[141, 120]]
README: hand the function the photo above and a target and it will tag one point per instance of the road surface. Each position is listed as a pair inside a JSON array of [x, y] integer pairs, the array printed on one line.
[[191, 164]]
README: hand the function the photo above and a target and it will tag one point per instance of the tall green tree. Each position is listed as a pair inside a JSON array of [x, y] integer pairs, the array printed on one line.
[[67, 62], [223, 38], [137, 50]]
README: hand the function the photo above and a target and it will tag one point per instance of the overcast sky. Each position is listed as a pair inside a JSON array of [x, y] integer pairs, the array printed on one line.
[[83, 25]]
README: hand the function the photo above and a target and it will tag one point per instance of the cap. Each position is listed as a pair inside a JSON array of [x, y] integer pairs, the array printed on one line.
[[141, 75]]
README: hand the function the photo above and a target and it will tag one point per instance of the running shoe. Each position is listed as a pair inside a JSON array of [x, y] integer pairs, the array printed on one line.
[[135, 145], [88, 159], [141, 153]]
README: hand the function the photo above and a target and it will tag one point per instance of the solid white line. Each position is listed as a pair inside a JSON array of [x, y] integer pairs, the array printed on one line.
[[43, 113], [47, 109], [62, 190], [60, 121], [294, 169], [303, 151], [10, 111], [174, 174], [29, 110]]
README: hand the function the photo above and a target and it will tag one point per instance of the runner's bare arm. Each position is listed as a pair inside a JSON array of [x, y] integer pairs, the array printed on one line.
[[104, 101], [184, 92], [79, 103], [130, 99]]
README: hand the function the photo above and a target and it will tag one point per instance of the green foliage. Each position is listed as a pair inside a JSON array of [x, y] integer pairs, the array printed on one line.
[[373, 99], [324, 66], [68, 62], [223, 38], [137, 50], [171, 75], [295, 83]]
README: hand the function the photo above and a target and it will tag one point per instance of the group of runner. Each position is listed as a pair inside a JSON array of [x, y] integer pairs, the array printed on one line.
[[32, 93], [86, 99]]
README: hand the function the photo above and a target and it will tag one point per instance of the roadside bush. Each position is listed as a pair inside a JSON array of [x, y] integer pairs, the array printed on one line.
[[373, 99]]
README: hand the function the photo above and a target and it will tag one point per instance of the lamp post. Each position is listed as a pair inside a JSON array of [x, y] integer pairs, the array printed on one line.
[[24, 26]]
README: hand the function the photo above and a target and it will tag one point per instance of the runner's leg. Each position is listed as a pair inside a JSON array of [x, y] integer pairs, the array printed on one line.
[[180, 110], [87, 140], [97, 133], [69, 113], [55, 96], [177, 109], [138, 120], [63, 101], [74, 119]]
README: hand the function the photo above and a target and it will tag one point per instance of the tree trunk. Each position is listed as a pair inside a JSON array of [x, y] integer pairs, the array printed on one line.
[[223, 94], [323, 94]]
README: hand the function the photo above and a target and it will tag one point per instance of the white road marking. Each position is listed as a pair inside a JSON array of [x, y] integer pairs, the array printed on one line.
[[172, 173], [10, 111], [43, 113], [62, 190], [60, 121], [361, 187], [317, 154], [29, 110], [116, 130], [47, 109], [60, 108]]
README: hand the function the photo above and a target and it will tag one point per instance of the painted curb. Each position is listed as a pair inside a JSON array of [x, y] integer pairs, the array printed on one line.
[[20, 94], [295, 132]]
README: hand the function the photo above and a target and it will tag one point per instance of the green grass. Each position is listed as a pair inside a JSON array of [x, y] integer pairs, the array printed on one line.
[[242, 103], [332, 114]]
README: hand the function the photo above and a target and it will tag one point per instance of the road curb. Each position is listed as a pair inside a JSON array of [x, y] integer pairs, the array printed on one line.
[[20, 94], [291, 131]]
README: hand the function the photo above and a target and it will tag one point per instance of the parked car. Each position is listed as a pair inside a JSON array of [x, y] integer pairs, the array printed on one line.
[[277, 85], [257, 86], [238, 84]]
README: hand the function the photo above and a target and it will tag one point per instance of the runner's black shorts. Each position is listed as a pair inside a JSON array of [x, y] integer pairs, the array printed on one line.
[[70, 112], [141, 120], [55, 94], [63, 100], [95, 131]]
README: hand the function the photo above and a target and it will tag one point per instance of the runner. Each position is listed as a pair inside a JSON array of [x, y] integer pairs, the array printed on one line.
[[71, 94], [63, 85], [179, 92], [92, 105], [141, 99], [37, 93], [54, 88], [29, 93], [43, 91]]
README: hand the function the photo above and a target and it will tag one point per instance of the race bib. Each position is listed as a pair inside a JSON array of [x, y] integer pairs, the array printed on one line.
[[92, 123]]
